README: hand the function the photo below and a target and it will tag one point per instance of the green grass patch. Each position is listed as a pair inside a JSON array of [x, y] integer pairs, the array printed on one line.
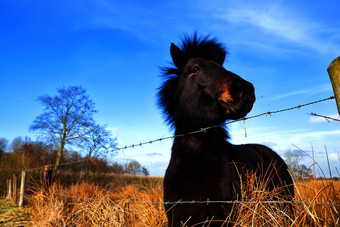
[[11, 215], [6, 206]]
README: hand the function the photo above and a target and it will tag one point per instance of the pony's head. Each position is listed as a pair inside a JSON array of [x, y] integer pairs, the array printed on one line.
[[199, 91]]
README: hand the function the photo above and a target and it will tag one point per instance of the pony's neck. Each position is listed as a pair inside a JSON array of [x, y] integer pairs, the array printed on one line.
[[200, 142]]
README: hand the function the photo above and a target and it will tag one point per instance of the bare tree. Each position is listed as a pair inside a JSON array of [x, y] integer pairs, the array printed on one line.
[[18, 142], [293, 158], [3, 146], [117, 168], [145, 171], [133, 167], [98, 140], [305, 173], [67, 118]]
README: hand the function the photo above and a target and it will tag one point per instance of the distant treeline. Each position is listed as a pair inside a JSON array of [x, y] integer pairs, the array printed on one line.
[[24, 154]]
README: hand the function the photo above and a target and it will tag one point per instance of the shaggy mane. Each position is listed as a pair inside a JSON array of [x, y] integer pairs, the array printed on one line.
[[198, 47]]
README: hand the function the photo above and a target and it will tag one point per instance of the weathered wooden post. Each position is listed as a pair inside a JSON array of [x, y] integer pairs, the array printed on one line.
[[47, 176], [9, 193], [22, 188], [334, 75], [14, 199]]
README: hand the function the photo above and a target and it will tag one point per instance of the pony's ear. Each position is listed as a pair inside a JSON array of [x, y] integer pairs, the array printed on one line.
[[178, 57], [220, 56]]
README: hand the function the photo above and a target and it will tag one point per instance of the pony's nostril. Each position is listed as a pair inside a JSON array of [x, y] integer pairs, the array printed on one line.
[[236, 90]]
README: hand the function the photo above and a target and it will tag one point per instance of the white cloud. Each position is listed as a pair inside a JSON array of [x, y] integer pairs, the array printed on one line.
[[334, 157], [269, 144], [306, 91], [282, 140], [278, 21], [271, 20], [318, 134]]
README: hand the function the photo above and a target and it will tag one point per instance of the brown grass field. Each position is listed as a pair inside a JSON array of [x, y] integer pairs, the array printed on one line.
[[135, 204]]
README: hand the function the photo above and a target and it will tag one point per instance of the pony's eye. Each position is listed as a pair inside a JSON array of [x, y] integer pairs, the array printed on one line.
[[195, 69]]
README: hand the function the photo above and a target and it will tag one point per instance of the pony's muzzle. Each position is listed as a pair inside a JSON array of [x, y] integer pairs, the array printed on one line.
[[238, 99]]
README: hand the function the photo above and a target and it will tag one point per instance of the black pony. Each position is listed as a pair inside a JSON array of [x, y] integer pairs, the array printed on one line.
[[199, 92]]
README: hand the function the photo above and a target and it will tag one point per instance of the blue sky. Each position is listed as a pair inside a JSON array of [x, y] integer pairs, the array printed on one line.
[[114, 49]]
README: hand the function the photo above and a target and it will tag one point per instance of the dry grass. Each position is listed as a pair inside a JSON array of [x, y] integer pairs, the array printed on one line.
[[317, 197], [312, 206], [118, 207], [259, 207], [97, 207]]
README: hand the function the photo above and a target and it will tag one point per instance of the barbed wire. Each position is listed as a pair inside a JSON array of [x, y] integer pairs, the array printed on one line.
[[73, 197], [326, 117], [219, 125], [62, 164], [203, 202], [140, 144]]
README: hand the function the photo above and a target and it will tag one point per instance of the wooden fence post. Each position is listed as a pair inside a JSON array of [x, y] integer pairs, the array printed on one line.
[[22, 188], [14, 198], [9, 185], [334, 75]]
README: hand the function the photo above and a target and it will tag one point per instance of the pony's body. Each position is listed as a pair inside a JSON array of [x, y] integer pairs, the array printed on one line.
[[204, 166]]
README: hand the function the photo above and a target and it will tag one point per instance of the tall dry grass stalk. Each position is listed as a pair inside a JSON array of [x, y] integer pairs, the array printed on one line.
[[136, 205]]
